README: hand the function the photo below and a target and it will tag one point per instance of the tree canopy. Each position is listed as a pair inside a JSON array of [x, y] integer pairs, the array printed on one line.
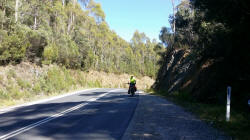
[[215, 31], [63, 32]]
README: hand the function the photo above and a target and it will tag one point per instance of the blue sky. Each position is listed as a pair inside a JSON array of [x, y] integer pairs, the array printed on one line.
[[126, 16]]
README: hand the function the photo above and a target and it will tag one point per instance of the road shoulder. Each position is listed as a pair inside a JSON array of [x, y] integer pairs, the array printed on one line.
[[156, 118]]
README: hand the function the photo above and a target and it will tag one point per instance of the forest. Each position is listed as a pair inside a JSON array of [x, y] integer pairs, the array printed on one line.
[[207, 51], [74, 34], [211, 39]]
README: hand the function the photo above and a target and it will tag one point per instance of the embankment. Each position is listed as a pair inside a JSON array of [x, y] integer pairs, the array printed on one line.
[[199, 85], [204, 79], [28, 82]]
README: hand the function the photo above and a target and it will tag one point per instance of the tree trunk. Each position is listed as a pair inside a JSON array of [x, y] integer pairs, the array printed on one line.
[[4, 10], [69, 25], [16, 10], [63, 3], [73, 14], [71, 18], [70, 22], [173, 4], [74, 6], [35, 23]]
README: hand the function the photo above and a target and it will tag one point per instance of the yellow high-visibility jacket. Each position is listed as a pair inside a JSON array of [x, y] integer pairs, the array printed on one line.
[[132, 80]]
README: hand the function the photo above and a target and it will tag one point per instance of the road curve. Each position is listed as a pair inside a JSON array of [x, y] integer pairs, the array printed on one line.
[[90, 115]]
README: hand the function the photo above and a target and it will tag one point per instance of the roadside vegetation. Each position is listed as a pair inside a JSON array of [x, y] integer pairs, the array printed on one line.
[[54, 46], [213, 114], [71, 33], [28, 82], [207, 49]]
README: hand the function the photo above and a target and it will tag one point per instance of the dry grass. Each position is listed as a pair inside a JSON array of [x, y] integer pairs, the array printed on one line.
[[28, 82], [118, 81]]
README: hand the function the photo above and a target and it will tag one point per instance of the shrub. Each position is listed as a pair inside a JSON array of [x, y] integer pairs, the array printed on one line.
[[3, 94], [38, 40], [69, 80], [69, 54], [50, 54], [56, 80], [97, 83], [23, 84], [81, 79], [15, 92], [1, 79], [36, 88], [13, 47], [94, 84], [11, 74]]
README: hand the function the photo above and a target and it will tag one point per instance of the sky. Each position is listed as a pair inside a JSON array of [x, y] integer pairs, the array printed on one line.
[[126, 16]]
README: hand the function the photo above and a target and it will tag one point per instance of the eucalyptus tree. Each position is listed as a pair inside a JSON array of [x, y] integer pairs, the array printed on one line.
[[3, 4], [96, 11], [16, 10]]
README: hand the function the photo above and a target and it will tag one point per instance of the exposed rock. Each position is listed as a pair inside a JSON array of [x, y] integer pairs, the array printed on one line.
[[174, 71], [180, 72]]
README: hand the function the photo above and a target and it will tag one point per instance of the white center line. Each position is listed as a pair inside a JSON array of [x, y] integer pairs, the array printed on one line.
[[26, 128]]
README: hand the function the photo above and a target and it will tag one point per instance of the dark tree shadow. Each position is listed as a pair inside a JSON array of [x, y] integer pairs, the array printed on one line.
[[105, 118]]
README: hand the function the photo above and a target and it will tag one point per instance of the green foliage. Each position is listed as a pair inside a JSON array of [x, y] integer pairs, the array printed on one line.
[[14, 92], [11, 74], [50, 54], [1, 79], [36, 88], [205, 30], [3, 94], [23, 84], [94, 84], [216, 30], [69, 54], [75, 37], [54, 80], [38, 39], [96, 10], [81, 79], [13, 48]]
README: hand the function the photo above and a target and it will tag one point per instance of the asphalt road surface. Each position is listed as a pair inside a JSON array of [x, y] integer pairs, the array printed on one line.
[[90, 115]]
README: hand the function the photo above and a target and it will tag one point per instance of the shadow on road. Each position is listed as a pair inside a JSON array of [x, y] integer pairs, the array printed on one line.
[[106, 118]]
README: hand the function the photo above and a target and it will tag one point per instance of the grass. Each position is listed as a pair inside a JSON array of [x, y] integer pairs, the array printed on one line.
[[238, 127], [20, 84]]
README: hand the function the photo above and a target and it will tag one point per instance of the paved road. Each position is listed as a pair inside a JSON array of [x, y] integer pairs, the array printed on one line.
[[97, 114]]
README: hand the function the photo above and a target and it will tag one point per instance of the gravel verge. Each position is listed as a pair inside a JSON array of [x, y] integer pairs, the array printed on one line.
[[156, 118]]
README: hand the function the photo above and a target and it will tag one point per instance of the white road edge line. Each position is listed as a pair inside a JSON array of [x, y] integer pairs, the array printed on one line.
[[26, 128], [43, 101]]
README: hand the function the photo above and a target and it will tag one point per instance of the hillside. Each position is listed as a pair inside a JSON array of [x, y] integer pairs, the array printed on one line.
[[49, 47], [27, 82], [202, 79], [207, 50], [73, 34], [205, 54]]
